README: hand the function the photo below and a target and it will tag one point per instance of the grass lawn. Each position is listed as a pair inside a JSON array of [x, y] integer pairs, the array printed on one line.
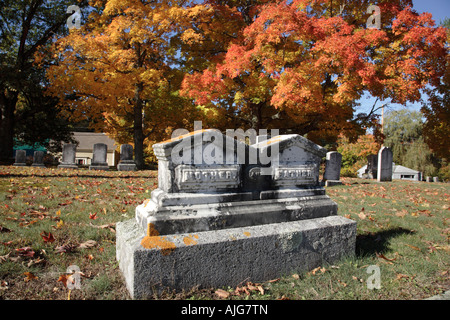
[[51, 219]]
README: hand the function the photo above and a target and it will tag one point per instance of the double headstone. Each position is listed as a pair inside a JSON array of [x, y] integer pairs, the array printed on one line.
[[126, 158], [385, 158], [68, 157], [332, 172], [225, 211], [38, 159], [99, 157], [21, 158]]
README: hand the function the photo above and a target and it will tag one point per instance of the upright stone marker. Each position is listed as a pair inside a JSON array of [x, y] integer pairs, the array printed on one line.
[[69, 154], [21, 158], [38, 159], [435, 179], [428, 179], [99, 157], [225, 211], [332, 173], [385, 158], [126, 158], [372, 166]]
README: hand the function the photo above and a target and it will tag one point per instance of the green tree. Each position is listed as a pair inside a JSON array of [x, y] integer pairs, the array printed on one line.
[[403, 130], [26, 26]]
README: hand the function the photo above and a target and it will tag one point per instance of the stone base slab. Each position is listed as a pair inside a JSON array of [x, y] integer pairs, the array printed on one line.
[[330, 183], [99, 167], [229, 256], [224, 215], [126, 167], [67, 166]]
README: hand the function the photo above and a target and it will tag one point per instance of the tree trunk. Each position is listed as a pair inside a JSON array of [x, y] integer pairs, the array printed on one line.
[[8, 102], [137, 127]]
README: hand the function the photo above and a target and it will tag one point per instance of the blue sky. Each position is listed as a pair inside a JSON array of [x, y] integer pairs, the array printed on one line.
[[440, 9]]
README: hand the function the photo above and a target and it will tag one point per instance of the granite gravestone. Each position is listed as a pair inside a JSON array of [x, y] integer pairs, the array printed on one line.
[[68, 157], [38, 159], [428, 179], [332, 172], [126, 162], [21, 158], [384, 171], [225, 211], [435, 179], [372, 166], [99, 157]]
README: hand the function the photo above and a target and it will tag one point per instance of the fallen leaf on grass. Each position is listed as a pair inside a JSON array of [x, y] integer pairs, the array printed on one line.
[[105, 226], [380, 255], [87, 244], [342, 283], [3, 229], [26, 252], [414, 247], [93, 216], [47, 237], [66, 248], [5, 257], [29, 276], [314, 271], [222, 294]]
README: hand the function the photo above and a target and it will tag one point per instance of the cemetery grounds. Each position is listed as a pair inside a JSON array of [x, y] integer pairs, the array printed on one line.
[[52, 219]]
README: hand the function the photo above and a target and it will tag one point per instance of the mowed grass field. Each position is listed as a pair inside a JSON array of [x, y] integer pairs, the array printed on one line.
[[51, 219]]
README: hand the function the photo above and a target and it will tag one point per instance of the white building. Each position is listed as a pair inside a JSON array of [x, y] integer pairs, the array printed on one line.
[[398, 173], [85, 148]]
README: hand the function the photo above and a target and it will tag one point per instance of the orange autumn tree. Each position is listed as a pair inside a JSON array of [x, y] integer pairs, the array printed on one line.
[[302, 65], [116, 71]]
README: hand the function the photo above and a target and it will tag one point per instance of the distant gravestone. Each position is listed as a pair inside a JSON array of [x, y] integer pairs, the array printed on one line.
[[99, 157], [372, 166], [21, 157], [385, 158], [435, 179], [38, 159], [332, 173], [428, 179], [126, 158], [68, 158]]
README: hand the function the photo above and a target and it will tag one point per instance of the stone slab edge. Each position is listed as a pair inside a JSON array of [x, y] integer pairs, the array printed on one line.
[[230, 256]]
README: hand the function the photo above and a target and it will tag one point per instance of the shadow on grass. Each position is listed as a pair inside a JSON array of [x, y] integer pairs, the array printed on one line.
[[377, 242]]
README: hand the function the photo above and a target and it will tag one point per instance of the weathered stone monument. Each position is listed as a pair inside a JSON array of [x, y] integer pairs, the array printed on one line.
[[126, 162], [428, 179], [435, 179], [384, 171], [21, 158], [332, 172], [68, 157], [372, 166], [38, 159], [99, 157], [225, 212]]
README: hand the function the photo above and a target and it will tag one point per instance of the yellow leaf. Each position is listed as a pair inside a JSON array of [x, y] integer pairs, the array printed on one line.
[[29, 276]]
